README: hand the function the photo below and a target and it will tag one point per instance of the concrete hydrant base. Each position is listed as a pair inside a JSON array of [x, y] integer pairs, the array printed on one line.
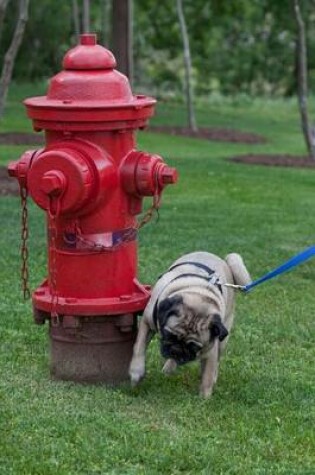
[[92, 349]]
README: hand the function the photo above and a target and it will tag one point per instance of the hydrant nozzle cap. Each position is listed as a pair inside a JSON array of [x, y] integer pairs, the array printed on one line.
[[88, 55]]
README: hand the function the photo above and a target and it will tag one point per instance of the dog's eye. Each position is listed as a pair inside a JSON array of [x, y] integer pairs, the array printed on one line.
[[196, 343], [168, 335], [194, 346]]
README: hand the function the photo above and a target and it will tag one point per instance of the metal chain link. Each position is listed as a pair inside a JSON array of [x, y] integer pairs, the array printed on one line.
[[24, 225], [24, 248], [148, 215], [154, 208]]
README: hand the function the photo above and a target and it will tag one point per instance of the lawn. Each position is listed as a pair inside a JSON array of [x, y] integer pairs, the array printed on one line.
[[260, 419]]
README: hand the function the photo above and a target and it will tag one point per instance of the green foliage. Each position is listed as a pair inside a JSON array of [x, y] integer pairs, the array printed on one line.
[[46, 39], [260, 419], [237, 45], [49, 34]]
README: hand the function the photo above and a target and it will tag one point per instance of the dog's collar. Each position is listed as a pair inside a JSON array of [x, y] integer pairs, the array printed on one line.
[[211, 278]]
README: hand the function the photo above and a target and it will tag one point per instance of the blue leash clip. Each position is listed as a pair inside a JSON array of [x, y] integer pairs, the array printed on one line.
[[293, 262]]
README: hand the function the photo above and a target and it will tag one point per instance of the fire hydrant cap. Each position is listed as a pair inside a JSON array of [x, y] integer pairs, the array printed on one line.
[[89, 75], [89, 94], [89, 55]]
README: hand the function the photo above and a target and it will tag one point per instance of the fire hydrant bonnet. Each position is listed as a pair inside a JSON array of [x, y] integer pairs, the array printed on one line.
[[89, 84]]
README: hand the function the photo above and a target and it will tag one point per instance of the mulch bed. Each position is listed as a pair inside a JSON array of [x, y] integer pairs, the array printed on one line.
[[8, 185], [20, 138], [215, 134], [276, 160]]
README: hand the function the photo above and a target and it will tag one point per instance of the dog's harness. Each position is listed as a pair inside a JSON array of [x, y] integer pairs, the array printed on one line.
[[211, 278]]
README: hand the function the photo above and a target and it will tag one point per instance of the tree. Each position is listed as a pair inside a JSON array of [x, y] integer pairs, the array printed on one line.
[[79, 26], [303, 81], [76, 19], [122, 36], [105, 21], [249, 48], [86, 16], [9, 58], [3, 7], [187, 60]]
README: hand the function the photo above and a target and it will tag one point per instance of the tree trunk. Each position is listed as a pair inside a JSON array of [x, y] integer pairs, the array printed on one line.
[[302, 80], [76, 19], [122, 36], [9, 58], [106, 19], [187, 60], [86, 16], [3, 7]]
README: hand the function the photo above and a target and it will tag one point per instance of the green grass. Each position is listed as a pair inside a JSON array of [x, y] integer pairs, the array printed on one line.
[[260, 419]]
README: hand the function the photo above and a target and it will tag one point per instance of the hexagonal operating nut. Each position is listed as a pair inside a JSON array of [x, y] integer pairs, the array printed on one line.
[[13, 169], [53, 183], [168, 175]]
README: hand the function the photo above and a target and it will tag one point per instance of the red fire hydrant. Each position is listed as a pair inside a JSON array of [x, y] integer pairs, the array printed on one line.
[[91, 181]]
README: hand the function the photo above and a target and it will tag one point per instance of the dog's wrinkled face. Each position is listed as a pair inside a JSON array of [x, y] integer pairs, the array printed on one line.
[[187, 328]]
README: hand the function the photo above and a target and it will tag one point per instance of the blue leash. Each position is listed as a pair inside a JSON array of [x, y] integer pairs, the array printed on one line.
[[293, 262]]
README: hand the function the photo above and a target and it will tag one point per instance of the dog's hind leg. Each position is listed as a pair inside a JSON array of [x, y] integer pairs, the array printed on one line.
[[209, 371], [137, 364], [228, 323], [169, 366]]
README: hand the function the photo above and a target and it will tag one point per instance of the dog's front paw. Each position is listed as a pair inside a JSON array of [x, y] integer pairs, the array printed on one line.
[[206, 391], [169, 367], [136, 371]]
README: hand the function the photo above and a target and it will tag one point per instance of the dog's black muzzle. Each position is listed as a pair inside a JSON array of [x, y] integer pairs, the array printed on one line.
[[181, 352]]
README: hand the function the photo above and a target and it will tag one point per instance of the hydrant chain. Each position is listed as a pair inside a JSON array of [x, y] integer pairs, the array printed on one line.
[[147, 216], [24, 248], [154, 207]]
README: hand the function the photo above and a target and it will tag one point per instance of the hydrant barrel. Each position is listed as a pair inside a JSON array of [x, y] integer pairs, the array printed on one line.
[[91, 180]]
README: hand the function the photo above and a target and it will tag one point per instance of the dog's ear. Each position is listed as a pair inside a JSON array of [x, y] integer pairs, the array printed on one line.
[[217, 329], [165, 306]]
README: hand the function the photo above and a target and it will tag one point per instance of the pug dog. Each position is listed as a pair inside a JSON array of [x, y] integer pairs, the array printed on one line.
[[192, 309]]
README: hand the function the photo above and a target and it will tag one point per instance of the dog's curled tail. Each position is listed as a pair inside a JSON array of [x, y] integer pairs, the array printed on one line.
[[240, 273]]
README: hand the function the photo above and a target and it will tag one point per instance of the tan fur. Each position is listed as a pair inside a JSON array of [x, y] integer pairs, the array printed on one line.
[[201, 301], [238, 269]]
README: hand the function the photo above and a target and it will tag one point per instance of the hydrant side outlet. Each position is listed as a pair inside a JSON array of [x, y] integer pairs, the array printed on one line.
[[90, 180]]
